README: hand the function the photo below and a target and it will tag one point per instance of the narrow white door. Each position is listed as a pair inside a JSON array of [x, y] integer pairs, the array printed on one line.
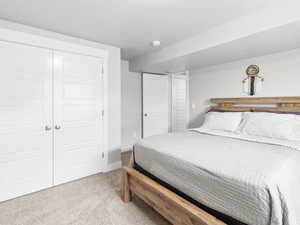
[[155, 104], [179, 104], [25, 119], [78, 122]]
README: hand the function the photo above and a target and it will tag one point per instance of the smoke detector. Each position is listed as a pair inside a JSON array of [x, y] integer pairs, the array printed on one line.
[[155, 43]]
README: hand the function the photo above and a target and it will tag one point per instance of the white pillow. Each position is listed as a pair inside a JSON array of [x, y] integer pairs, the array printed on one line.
[[226, 121], [271, 125]]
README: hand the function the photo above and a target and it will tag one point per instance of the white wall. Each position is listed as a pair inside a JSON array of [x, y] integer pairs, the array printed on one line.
[[281, 73], [131, 106], [114, 86]]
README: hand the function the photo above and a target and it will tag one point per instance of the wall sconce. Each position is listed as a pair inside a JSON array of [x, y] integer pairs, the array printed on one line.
[[253, 82]]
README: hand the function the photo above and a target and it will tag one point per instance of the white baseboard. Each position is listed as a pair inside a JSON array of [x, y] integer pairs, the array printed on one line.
[[113, 166]]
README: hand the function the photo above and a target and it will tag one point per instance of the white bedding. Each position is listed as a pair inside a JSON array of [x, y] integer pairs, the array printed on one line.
[[270, 125], [254, 180], [228, 121]]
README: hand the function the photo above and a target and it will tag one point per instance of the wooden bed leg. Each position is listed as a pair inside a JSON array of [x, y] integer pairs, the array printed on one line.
[[174, 208], [126, 193]]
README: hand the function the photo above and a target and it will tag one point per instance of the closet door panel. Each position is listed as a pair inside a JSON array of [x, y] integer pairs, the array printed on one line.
[[25, 110], [179, 103], [77, 105]]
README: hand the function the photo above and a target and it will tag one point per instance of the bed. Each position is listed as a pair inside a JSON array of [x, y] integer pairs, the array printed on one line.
[[216, 177]]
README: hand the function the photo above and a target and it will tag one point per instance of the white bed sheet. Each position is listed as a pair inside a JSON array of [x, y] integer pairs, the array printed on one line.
[[254, 180]]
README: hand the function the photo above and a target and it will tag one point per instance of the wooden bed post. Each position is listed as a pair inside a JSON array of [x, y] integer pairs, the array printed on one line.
[[126, 193]]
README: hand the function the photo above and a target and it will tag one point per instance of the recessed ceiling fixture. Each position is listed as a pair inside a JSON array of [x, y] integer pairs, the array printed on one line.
[[155, 43]]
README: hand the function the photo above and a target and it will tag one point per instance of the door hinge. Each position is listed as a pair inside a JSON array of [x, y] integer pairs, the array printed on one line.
[[102, 113], [102, 155], [102, 72]]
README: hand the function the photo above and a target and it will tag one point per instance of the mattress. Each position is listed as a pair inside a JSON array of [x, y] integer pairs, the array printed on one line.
[[250, 179]]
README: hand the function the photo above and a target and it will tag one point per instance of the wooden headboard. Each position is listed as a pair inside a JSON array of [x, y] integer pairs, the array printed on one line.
[[285, 104]]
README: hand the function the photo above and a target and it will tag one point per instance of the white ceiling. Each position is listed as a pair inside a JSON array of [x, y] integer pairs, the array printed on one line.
[[267, 30], [274, 40], [128, 24]]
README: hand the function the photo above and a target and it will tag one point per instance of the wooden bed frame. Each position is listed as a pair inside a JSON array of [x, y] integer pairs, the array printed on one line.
[[174, 208]]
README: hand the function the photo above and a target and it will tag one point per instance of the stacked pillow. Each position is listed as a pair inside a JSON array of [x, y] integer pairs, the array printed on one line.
[[226, 121], [264, 124], [271, 125]]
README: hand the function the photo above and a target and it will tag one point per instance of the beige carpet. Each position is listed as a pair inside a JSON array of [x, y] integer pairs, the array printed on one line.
[[94, 200]]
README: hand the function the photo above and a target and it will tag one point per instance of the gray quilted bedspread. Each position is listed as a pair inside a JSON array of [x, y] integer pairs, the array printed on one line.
[[254, 181]]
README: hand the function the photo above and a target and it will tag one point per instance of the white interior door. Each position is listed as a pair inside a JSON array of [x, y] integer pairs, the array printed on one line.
[[179, 104], [155, 104], [78, 122], [25, 111]]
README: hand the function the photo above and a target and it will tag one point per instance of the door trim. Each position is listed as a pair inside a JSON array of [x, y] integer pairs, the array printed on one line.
[[50, 43]]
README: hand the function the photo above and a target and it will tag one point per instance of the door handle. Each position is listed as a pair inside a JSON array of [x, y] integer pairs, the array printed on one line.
[[48, 128], [57, 127], [145, 114]]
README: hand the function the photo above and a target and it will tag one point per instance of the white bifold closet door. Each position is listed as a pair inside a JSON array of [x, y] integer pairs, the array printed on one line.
[[155, 104], [179, 104], [25, 119], [78, 123]]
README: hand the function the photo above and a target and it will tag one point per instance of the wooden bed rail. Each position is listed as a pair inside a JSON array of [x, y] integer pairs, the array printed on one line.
[[174, 208], [284, 104]]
